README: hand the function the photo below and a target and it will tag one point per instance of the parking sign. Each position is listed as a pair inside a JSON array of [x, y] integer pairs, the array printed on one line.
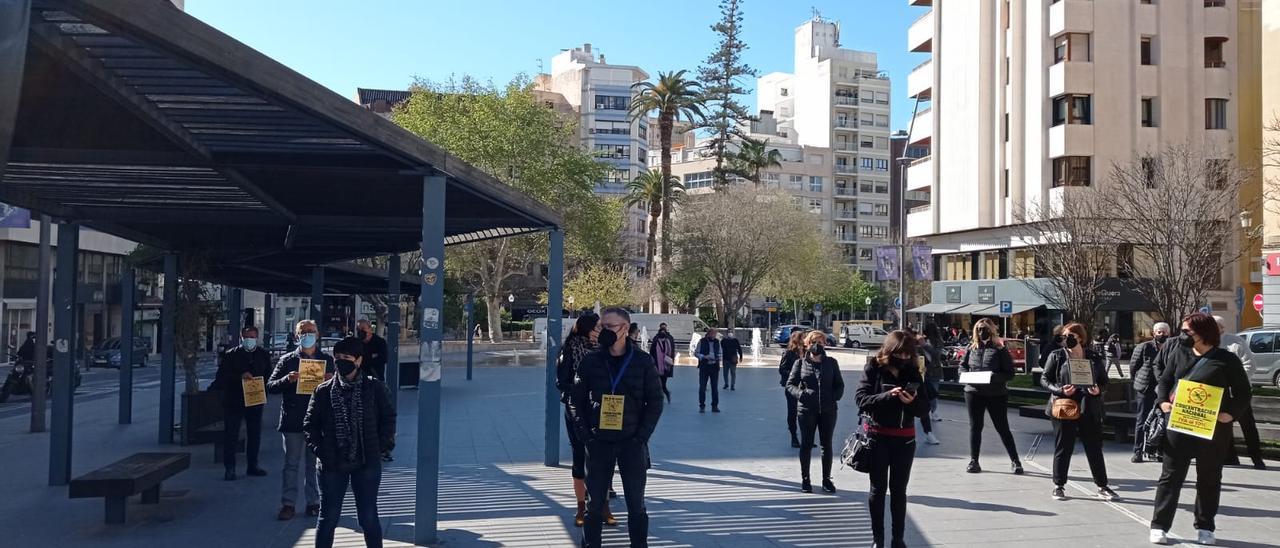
[[1006, 308]]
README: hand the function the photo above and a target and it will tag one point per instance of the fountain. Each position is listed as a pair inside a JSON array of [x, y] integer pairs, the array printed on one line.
[[693, 347], [756, 344], [644, 338]]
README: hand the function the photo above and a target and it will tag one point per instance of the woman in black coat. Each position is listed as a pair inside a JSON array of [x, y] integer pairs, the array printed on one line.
[[816, 385], [1084, 396], [892, 396], [580, 342], [795, 350], [987, 353]]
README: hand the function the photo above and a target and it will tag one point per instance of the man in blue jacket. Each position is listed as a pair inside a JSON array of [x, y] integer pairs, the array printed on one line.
[[708, 354]]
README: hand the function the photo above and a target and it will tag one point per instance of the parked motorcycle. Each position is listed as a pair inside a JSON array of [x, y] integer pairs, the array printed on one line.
[[18, 381]]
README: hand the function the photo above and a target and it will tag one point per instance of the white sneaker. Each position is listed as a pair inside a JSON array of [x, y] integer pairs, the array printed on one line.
[[1206, 537], [1159, 537], [934, 415], [931, 439]]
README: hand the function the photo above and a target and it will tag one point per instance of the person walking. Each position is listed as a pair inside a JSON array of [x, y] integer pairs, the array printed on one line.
[[663, 350], [243, 362], [794, 351], [1197, 358], [817, 386], [709, 354], [987, 354], [349, 424], [580, 342], [891, 397], [1051, 343], [615, 405], [1248, 426], [930, 366], [1145, 370], [293, 409], [1076, 408], [731, 350]]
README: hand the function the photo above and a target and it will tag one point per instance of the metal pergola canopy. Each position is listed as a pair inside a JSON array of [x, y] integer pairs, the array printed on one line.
[[138, 120]]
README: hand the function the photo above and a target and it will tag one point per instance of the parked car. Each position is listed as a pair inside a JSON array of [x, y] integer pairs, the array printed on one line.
[[107, 354], [1264, 342], [782, 334], [861, 336]]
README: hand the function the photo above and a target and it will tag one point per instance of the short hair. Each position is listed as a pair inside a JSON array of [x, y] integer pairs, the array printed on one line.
[[585, 324], [1204, 326], [351, 346], [302, 323], [617, 311], [896, 342], [635, 328], [1161, 325], [247, 329], [1079, 330]]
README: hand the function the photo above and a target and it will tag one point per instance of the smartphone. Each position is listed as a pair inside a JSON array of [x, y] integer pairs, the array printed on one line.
[[912, 387], [888, 387]]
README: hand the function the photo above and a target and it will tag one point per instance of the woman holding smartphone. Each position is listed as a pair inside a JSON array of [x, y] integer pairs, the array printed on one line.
[[890, 398], [1074, 376]]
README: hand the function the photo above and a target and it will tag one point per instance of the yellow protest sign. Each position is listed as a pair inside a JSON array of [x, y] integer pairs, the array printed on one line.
[[255, 391], [1195, 409], [310, 375], [611, 412]]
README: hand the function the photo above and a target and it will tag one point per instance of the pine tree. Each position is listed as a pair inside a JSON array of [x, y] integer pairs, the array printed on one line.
[[721, 76]]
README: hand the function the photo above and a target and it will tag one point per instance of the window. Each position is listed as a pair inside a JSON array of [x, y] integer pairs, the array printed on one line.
[[882, 120], [1213, 47], [1006, 127], [612, 102], [882, 143], [1215, 3], [22, 262], [610, 127], [882, 188], [882, 210], [868, 163], [1024, 263], [1262, 343], [880, 232], [990, 265], [784, 92], [1072, 46], [1072, 109], [1145, 51], [882, 165], [1149, 112], [882, 97], [701, 179], [815, 183], [957, 267], [618, 176], [644, 155], [815, 206], [864, 253], [867, 143], [1215, 114], [613, 151], [796, 182], [1072, 171], [1005, 182], [864, 231]]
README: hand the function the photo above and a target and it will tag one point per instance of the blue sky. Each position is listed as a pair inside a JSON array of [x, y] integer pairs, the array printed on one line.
[[384, 44]]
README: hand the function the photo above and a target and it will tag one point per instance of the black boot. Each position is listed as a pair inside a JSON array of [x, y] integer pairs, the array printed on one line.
[[795, 443]]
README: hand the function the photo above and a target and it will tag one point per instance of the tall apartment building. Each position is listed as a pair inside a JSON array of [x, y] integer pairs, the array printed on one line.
[[837, 99], [600, 94], [898, 179], [1029, 99], [1268, 14]]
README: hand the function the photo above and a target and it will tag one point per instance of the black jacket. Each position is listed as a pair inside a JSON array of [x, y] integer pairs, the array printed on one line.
[[1222, 369], [232, 365], [575, 347], [293, 406], [1047, 347], [988, 357], [379, 427], [784, 366], [732, 349], [639, 385], [1057, 375], [932, 361], [816, 386], [375, 357], [881, 409], [1144, 367]]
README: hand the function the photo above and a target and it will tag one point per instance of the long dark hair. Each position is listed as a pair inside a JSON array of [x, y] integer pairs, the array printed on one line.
[[796, 343], [585, 324], [896, 342]]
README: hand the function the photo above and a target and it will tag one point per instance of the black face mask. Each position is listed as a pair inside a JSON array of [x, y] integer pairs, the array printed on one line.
[[1070, 342], [1161, 338], [816, 349], [345, 367], [607, 338], [984, 334], [1186, 340]]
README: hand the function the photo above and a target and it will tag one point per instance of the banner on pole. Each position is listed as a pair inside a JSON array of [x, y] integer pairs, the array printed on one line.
[[922, 262], [886, 263]]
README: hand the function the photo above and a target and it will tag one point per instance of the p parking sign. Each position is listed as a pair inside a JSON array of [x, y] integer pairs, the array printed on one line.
[[1006, 308]]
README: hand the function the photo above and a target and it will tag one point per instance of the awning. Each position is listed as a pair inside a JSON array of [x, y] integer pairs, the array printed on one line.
[[1020, 308], [979, 309], [934, 308]]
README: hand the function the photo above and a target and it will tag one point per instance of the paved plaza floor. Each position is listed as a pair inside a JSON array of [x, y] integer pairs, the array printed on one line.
[[727, 479]]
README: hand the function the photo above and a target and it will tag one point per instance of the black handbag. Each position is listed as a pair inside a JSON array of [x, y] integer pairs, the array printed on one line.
[[1155, 425], [857, 450]]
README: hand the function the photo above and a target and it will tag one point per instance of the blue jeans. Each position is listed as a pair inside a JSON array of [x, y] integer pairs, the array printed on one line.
[[364, 483]]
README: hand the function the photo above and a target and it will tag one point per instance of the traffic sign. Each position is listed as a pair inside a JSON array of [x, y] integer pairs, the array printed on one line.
[[1006, 308], [1206, 310], [1257, 303], [897, 302]]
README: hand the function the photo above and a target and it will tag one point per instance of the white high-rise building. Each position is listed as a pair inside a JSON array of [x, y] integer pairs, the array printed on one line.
[[838, 99], [1029, 99]]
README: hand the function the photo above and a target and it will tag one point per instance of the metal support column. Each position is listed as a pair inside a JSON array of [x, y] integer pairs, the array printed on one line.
[[168, 347], [15, 20], [64, 363], [431, 334], [268, 317], [128, 290], [471, 330], [44, 272], [393, 327], [235, 313], [317, 297], [555, 308]]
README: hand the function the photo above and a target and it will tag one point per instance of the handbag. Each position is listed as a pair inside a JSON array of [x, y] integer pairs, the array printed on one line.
[[1157, 422], [1065, 409], [857, 449]]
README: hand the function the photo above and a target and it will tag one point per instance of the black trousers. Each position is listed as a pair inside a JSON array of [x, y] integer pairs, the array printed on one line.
[[997, 408], [1089, 433], [1253, 444], [578, 469], [232, 416], [1209, 455], [1146, 402], [632, 460], [663, 380], [792, 419], [708, 374], [891, 459], [824, 424]]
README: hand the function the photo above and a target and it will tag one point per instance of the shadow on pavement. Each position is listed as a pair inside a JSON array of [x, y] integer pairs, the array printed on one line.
[[940, 502]]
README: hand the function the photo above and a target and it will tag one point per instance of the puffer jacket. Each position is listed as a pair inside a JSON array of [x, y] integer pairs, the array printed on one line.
[[571, 354], [1057, 375], [784, 366], [639, 385], [293, 406], [1144, 367], [989, 357], [883, 410], [379, 429], [816, 386]]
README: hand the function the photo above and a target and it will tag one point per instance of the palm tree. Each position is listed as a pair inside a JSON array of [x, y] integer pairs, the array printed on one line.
[[647, 191], [753, 157], [673, 97]]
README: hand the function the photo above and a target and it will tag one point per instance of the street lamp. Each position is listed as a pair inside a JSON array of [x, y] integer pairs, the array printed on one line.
[[1246, 219]]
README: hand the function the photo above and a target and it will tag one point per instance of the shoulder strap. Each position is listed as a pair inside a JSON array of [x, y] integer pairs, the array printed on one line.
[[1195, 367]]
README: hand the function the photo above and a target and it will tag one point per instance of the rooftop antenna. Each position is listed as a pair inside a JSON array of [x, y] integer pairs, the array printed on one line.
[[817, 15], [539, 65]]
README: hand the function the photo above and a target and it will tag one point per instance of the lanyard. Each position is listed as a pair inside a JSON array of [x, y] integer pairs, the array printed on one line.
[[613, 387]]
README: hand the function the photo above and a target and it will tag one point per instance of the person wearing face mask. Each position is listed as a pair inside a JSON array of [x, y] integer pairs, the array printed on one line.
[[293, 408], [816, 384], [732, 351], [663, 350], [349, 424], [987, 353], [375, 351], [1248, 426], [580, 342], [1076, 409], [246, 361], [1145, 371], [1197, 358], [615, 406], [794, 351], [708, 354], [891, 396]]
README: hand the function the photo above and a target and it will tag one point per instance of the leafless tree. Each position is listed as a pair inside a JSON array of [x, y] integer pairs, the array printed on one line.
[[1074, 251]]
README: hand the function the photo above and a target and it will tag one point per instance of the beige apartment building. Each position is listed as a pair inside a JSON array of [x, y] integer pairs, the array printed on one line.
[[1268, 13]]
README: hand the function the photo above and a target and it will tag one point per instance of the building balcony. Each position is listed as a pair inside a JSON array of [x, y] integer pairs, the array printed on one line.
[[846, 238], [845, 125], [1070, 140], [844, 101], [1218, 81], [920, 81], [919, 2], [846, 169], [920, 221], [847, 214], [1070, 77], [920, 173], [1217, 19], [845, 193], [1070, 16], [920, 35], [922, 128]]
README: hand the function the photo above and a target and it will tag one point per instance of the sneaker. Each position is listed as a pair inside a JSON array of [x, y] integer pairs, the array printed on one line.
[[702, 409], [256, 472], [715, 409], [1158, 537], [933, 416], [1257, 463], [1059, 493], [1105, 493], [973, 467], [1017, 468], [805, 486], [1136, 458], [931, 439], [1205, 537], [828, 486], [286, 513]]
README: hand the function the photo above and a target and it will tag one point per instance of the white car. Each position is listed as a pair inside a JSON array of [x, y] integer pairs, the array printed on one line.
[[861, 336]]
